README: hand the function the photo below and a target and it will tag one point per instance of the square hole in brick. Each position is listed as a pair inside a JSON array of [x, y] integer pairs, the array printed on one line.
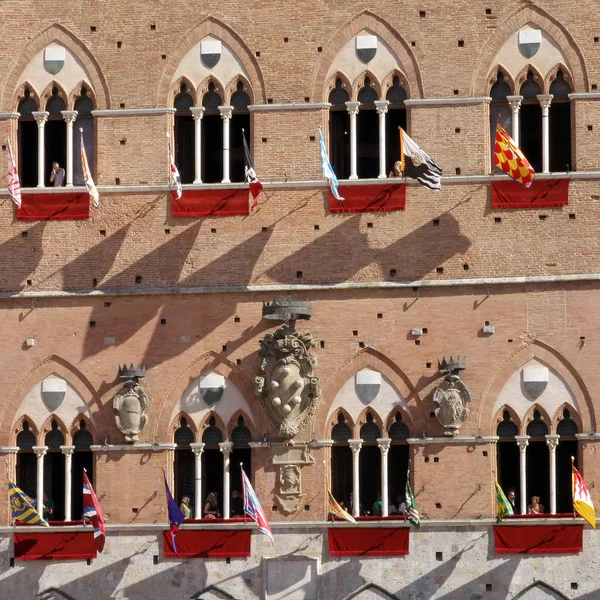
[[574, 585], [299, 275], [422, 14], [322, 344], [355, 332], [319, 48], [488, 11], [92, 323], [117, 181], [438, 505], [590, 128], [596, 39], [263, 229], [510, 341], [369, 225], [257, 54], [457, 170], [456, 92], [413, 44], [224, 347], [457, 130], [152, 27], [311, 138], [167, 231], [138, 279], [107, 304], [594, 86], [361, 344], [264, 140], [417, 342], [93, 29], [29, 282], [3, 147], [103, 232], [163, 321], [497, 219], [380, 315], [238, 361], [122, 105], [269, 100], [94, 282], [436, 459], [24, 234], [286, 40], [274, 508], [236, 319], [439, 270], [424, 329], [465, 267], [392, 272], [439, 556], [488, 587], [316, 227], [428, 365], [432, 415], [122, 142], [119, 44], [435, 222], [163, 56], [485, 453], [155, 559], [306, 98], [461, 43], [572, 216], [426, 459], [542, 217], [213, 230]]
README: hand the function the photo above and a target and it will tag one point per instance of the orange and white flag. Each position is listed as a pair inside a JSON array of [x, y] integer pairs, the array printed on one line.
[[582, 501], [510, 159]]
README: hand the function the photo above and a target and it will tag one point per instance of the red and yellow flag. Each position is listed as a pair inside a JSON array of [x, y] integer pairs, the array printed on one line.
[[510, 159], [582, 502], [337, 510]]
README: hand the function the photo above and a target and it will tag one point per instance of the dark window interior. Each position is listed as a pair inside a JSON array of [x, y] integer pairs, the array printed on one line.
[[184, 135], [212, 137], [339, 131]]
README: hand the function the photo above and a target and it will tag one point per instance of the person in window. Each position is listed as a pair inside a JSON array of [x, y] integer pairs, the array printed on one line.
[[211, 508], [185, 507], [361, 512], [48, 508], [511, 495], [57, 175], [535, 508], [377, 508], [402, 506], [237, 504]]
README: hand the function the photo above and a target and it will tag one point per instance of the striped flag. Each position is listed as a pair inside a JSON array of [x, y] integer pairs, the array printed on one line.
[[253, 508], [328, 173], [14, 185], [510, 159], [411, 505], [251, 178], [582, 501], [93, 511], [174, 171], [420, 165], [505, 508], [23, 507], [87, 176], [337, 510]]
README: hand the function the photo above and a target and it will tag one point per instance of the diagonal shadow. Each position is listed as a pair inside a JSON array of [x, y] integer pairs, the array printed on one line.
[[20, 257]]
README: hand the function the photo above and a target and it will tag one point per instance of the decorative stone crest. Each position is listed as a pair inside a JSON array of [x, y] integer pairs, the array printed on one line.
[[451, 398], [131, 403], [290, 495], [288, 387]]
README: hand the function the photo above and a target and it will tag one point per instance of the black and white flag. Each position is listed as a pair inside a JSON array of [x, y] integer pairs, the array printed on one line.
[[417, 164]]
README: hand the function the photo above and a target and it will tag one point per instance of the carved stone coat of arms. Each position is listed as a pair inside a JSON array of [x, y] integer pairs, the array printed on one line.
[[451, 398]]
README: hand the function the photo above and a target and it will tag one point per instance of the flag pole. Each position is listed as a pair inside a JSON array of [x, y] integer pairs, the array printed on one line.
[[242, 469]]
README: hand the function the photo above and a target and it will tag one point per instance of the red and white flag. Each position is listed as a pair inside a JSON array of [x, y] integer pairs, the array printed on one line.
[[14, 186], [251, 178], [253, 508], [174, 171], [93, 511], [582, 501], [90, 186]]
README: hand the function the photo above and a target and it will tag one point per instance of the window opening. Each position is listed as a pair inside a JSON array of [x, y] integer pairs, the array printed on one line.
[[83, 458], [567, 446], [339, 131], [212, 464], [212, 137], [499, 106], [369, 460], [185, 466], [530, 122], [55, 135], [85, 120], [367, 133], [184, 135], [54, 471], [28, 141], [538, 462], [560, 125], [395, 118], [397, 463], [507, 459], [341, 462], [241, 453], [26, 461], [240, 119]]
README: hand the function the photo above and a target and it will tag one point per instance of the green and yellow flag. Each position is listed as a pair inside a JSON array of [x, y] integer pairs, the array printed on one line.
[[337, 510], [504, 506], [23, 506]]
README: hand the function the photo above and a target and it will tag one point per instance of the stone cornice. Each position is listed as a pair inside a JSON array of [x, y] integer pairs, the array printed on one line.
[[133, 112], [418, 102]]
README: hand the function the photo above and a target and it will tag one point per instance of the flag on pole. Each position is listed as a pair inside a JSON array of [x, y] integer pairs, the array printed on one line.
[[93, 511], [87, 176], [23, 507], [510, 159], [420, 165], [337, 510], [328, 173], [251, 178], [582, 501], [14, 185], [253, 508], [411, 505], [174, 171], [505, 508], [176, 516]]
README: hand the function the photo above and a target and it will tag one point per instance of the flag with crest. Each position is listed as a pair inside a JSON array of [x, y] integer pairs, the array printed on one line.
[[253, 508], [417, 164], [251, 178], [510, 159], [23, 507]]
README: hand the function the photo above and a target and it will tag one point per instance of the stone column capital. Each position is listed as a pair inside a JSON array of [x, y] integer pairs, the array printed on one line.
[[522, 442], [226, 448], [515, 102], [226, 112], [69, 115], [355, 445], [41, 117], [67, 450], [197, 449], [552, 442], [384, 444], [352, 108], [381, 106], [40, 450], [197, 112], [545, 101]]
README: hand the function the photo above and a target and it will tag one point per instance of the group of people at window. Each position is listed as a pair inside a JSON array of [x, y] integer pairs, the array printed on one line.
[[535, 508], [212, 507]]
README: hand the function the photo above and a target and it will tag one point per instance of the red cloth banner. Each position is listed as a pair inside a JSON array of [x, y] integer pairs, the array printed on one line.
[[69, 206], [354, 541], [211, 203], [369, 198], [208, 543], [545, 193], [538, 539], [54, 545]]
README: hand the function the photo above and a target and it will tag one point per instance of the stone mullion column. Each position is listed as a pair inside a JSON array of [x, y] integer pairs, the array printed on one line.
[[226, 112], [382, 108], [515, 107], [552, 442], [353, 112], [41, 118], [523, 442], [69, 116], [197, 113], [40, 451], [355, 446], [226, 448], [384, 447], [197, 449], [545, 100], [68, 452]]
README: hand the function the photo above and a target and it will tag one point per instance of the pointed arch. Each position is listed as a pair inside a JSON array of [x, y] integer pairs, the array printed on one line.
[[333, 421], [205, 424], [18, 428], [56, 33], [231, 88], [372, 586], [554, 359], [388, 82], [215, 590], [367, 20], [332, 84], [210, 361], [524, 16], [202, 89], [499, 417], [176, 424], [521, 78], [19, 94], [74, 427], [233, 423], [46, 428], [76, 93], [212, 26], [362, 420], [390, 419], [541, 585], [53, 364], [359, 83], [559, 416], [493, 77], [551, 76], [528, 418], [46, 95], [175, 89], [369, 357]]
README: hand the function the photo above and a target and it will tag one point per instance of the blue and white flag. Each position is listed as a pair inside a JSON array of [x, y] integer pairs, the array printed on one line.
[[253, 508], [328, 169]]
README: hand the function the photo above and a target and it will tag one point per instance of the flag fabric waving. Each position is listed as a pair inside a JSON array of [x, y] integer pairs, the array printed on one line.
[[176, 515], [505, 508], [420, 165], [253, 508], [14, 185], [337, 510], [251, 178], [93, 511], [23, 507], [328, 169], [411, 505], [87, 176], [582, 501], [174, 171], [509, 158]]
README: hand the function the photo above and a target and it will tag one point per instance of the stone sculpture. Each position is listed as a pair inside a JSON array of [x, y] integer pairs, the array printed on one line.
[[451, 398]]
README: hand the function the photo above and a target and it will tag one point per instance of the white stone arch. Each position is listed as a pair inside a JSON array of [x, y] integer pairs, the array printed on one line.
[[232, 402], [540, 590], [557, 393]]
